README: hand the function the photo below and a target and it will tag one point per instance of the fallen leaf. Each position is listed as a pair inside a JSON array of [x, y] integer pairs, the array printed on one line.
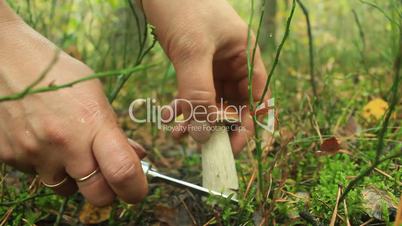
[[375, 199], [91, 214], [172, 216], [286, 135], [329, 146], [350, 129], [375, 109]]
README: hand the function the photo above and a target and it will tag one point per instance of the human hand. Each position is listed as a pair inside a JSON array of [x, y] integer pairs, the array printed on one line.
[[68, 133], [207, 44]]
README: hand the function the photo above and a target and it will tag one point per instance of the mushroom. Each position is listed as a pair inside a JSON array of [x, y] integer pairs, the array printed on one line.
[[219, 173], [218, 165]]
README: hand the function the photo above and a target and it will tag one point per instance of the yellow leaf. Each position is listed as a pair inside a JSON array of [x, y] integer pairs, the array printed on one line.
[[91, 214], [375, 109]]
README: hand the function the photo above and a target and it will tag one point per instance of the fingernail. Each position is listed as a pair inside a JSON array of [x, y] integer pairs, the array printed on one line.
[[139, 150], [199, 131]]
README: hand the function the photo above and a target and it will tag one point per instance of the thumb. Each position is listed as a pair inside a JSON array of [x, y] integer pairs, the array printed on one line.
[[197, 94], [119, 164]]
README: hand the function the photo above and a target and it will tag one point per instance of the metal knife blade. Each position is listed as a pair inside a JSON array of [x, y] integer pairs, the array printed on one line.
[[148, 170]]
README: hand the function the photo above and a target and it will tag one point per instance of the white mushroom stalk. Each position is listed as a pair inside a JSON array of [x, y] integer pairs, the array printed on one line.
[[218, 164]]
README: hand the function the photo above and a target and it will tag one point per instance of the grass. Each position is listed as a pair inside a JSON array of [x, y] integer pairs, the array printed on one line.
[[350, 47]]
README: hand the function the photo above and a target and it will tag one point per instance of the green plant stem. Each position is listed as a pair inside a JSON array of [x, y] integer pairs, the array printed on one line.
[[61, 212], [142, 38], [381, 11], [278, 52], [384, 128], [365, 173], [362, 38], [311, 49], [17, 202], [30, 90], [393, 102], [250, 71]]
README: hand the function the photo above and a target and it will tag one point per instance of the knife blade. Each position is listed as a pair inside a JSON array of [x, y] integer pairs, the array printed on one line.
[[152, 172]]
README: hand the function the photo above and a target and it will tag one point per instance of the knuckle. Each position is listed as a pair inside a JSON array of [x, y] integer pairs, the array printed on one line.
[[187, 46], [120, 174], [200, 97], [54, 133], [29, 145], [91, 111]]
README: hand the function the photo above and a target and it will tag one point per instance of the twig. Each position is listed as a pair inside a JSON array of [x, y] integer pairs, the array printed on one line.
[[335, 212], [188, 211], [17, 202], [394, 101], [384, 128], [42, 76], [388, 176], [137, 21], [398, 219], [311, 49], [278, 52], [142, 37], [250, 75], [346, 213], [209, 222], [380, 10], [61, 212], [368, 222], [6, 216], [250, 183], [314, 120], [366, 172], [362, 38], [24, 93]]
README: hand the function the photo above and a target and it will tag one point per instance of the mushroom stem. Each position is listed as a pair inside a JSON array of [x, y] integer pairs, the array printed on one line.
[[218, 164]]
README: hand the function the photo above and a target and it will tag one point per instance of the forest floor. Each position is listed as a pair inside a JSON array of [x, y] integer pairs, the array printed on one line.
[[337, 135]]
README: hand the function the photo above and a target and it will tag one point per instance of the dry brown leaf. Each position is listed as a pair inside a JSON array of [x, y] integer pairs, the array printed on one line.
[[350, 129], [91, 214], [329, 146], [286, 135], [172, 216]]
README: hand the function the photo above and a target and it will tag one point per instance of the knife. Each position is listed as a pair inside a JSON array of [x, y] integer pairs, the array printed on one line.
[[150, 171]]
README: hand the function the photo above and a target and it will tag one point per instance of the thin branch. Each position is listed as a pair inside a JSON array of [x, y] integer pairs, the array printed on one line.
[[250, 75], [42, 75], [17, 202], [384, 128], [362, 38], [142, 38], [52, 87], [381, 11], [367, 172], [393, 102], [311, 49], [278, 52], [137, 22], [335, 212], [61, 211]]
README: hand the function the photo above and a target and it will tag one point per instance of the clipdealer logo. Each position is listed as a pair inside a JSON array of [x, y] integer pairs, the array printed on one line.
[[153, 113]]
